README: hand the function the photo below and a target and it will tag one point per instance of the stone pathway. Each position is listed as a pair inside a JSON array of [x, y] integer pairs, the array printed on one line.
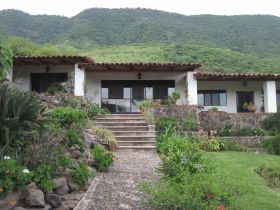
[[118, 188]]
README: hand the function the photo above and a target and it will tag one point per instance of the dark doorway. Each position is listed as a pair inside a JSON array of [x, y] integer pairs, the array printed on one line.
[[242, 98], [41, 81]]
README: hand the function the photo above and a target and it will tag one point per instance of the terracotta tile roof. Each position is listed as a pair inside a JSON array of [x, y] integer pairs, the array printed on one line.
[[235, 76], [52, 60], [139, 66]]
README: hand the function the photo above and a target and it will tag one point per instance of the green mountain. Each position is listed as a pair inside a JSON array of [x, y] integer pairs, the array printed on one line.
[[255, 34]]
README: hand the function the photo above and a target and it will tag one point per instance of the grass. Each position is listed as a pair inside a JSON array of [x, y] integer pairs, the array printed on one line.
[[239, 167]]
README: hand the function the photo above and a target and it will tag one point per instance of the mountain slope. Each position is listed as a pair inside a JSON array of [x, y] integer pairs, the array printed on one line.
[[256, 34]]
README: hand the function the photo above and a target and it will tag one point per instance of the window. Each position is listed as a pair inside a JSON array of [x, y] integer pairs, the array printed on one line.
[[278, 97], [212, 97]]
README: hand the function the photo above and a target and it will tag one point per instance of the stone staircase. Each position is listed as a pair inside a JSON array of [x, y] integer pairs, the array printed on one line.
[[130, 130]]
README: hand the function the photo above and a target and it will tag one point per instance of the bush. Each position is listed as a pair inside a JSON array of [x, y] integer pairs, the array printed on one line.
[[272, 123], [12, 175], [106, 136], [167, 124], [71, 137], [212, 145], [246, 131], [55, 88], [42, 176], [20, 114], [191, 124], [102, 159], [273, 145], [81, 175], [94, 110], [271, 175], [146, 105], [171, 100], [68, 116]]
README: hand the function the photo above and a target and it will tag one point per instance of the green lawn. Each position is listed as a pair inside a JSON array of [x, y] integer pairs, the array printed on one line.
[[239, 167]]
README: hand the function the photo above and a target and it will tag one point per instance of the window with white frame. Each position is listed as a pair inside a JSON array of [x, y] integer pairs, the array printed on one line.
[[212, 97]]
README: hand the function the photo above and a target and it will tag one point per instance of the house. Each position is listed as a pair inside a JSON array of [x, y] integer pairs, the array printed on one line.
[[121, 86]]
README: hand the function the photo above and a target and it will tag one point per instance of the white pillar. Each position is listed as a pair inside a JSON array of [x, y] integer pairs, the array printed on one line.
[[10, 75], [191, 88], [79, 81], [269, 91]]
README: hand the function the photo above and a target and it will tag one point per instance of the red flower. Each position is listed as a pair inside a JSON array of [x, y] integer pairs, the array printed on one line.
[[220, 207], [115, 158]]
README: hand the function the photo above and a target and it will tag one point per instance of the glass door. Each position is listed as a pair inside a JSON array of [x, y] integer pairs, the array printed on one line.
[[138, 95]]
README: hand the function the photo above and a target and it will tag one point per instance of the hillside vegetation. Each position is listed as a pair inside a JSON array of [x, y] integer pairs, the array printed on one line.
[[257, 34], [219, 43]]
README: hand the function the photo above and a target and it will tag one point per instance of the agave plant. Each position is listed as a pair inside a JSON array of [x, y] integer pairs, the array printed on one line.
[[19, 113]]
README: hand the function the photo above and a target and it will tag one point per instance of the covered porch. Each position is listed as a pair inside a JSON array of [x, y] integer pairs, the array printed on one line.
[[232, 92], [121, 87]]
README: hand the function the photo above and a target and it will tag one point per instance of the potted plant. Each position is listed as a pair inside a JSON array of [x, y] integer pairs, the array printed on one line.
[[252, 107]]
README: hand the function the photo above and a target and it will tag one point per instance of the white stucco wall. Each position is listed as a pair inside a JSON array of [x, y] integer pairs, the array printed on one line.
[[21, 74], [231, 88], [93, 82], [270, 103], [192, 88]]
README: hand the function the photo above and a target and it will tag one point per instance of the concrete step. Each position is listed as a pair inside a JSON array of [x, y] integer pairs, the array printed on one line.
[[137, 147], [136, 143], [121, 116], [127, 120], [131, 124], [135, 138], [134, 133], [127, 128]]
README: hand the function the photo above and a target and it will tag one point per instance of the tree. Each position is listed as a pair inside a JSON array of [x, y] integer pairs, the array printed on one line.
[[6, 60]]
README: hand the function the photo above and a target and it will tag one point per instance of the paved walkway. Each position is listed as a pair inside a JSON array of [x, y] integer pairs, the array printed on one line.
[[118, 188]]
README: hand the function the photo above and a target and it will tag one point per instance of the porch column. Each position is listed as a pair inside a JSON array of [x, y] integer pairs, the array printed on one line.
[[191, 88], [269, 91], [79, 81], [10, 75]]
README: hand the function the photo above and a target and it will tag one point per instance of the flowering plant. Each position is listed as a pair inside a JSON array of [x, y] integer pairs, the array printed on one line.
[[12, 175]]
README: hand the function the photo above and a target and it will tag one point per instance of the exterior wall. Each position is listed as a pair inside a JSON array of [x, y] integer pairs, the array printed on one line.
[[231, 87], [21, 74], [93, 82], [270, 103], [192, 88]]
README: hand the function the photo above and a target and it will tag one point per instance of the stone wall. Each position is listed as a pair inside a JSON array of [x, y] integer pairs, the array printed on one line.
[[245, 140], [181, 112], [215, 121]]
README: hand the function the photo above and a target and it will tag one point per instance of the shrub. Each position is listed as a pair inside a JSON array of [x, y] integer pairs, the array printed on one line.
[[273, 145], [191, 124], [94, 110], [68, 116], [81, 175], [272, 123], [71, 137], [271, 175], [42, 176], [246, 131], [212, 145], [12, 175], [171, 100], [167, 124], [102, 159], [20, 114], [146, 105], [106, 136], [55, 88]]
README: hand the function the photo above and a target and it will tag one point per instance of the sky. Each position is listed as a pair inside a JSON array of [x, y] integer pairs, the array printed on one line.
[[70, 8]]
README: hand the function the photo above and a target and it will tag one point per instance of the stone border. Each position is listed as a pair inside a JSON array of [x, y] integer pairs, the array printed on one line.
[[83, 203], [245, 140]]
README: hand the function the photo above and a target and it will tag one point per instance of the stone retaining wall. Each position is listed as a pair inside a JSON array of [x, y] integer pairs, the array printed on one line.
[[197, 134], [245, 140], [181, 112], [215, 121]]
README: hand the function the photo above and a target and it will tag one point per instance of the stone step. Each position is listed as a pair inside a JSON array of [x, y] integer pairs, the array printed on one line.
[[127, 128], [134, 133], [136, 143], [135, 138], [121, 116], [136, 147], [127, 120], [131, 124]]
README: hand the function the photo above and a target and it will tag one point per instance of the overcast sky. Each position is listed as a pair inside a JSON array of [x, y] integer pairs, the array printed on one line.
[[188, 7]]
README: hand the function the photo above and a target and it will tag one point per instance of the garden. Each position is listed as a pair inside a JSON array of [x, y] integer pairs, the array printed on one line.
[[214, 173], [45, 159]]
